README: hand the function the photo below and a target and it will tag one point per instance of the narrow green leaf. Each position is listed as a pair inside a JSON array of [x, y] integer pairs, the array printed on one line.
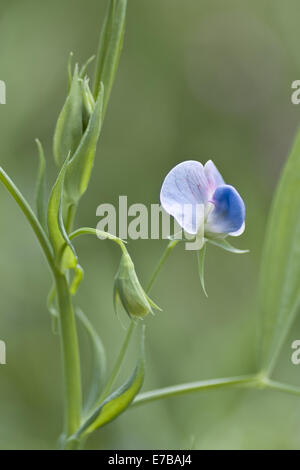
[[103, 45], [110, 46], [88, 102], [98, 365], [225, 245], [201, 260], [153, 304], [65, 256], [81, 164], [280, 269], [41, 192], [119, 400], [69, 130], [77, 279]]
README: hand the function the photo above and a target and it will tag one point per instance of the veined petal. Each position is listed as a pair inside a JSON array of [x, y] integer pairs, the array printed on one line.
[[184, 193], [228, 216], [213, 176]]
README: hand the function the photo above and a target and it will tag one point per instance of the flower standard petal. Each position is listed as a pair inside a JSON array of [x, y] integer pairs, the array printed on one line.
[[213, 176], [184, 188], [228, 216]]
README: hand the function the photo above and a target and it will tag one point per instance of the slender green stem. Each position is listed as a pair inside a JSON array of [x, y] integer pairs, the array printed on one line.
[[30, 215], [281, 387], [183, 389], [70, 218], [71, 359], [251, 381], [161, 262], [118, 363], [100, 234]]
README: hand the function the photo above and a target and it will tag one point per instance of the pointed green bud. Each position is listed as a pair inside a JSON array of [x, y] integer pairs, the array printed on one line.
[[80, 165], [77, 132], [69, 127], [129, 291], [88, 102]]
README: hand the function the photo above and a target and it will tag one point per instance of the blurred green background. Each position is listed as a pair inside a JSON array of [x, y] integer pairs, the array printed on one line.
[[198, 79]]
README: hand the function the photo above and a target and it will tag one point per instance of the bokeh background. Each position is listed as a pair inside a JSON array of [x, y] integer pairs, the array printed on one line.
[[198, 79]]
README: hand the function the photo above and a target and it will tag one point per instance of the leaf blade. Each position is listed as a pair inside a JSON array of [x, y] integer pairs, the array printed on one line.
[[80, 165], [41, 192], [65, 255], [279, 287], [68, 130], [118, 401], [110, 47], [99, 363]]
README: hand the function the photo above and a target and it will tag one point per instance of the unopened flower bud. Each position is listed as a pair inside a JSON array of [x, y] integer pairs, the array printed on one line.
[[69, 129], [88, 102], [130, 292]]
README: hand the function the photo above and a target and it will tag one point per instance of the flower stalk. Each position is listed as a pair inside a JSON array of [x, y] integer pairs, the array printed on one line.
[[70, 353]]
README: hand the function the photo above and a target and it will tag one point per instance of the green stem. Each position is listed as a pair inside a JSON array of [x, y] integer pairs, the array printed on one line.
[[71, 359], [99, 233], [118, 363], [250, 381], [161, 262], [70, 218], [280, 387], [192, 387]]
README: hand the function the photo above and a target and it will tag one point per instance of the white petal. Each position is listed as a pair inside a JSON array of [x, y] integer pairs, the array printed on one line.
[[184, 191], [213, 176]]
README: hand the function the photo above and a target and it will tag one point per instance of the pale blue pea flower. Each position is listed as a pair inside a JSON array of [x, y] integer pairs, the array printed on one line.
[[200, 201]]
